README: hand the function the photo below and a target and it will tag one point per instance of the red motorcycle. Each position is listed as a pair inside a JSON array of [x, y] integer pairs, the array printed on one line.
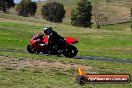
[[37, 45]]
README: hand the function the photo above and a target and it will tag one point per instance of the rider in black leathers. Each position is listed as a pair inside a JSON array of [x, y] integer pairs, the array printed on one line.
[[54, 38]]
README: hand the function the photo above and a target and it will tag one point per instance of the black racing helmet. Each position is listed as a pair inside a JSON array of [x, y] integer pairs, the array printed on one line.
[[48, 30]]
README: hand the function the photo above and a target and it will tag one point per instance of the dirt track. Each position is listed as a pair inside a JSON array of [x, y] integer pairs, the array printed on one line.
[[24, 63]]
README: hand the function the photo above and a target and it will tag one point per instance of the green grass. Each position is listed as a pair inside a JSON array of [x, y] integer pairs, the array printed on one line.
[[92, 42], [20, 18], [122, 26], [110, 41], [107, 42], [100, 66], [57, 78], [53, 78]]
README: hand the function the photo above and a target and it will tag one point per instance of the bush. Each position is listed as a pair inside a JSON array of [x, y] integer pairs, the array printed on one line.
[[131, 17], [75, 18], [53, 12], [26, 8], [131, 12], [82, 15], [6, 4]]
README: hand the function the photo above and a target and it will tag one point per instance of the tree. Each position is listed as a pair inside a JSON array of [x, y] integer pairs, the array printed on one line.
[[75, 18], [131, 12], [26, 8], [131, 17], [99, 18], [6, 4], [108, 0], [99, 14], [53, 12], [82, 15]]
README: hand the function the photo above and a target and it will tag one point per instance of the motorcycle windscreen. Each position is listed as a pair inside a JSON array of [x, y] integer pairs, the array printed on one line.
[[71, 40]]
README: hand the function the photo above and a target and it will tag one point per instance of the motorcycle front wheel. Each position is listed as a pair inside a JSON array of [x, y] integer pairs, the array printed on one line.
[[30, 49]]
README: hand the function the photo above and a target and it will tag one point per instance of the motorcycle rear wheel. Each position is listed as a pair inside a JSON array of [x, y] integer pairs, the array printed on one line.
[[70, 51]]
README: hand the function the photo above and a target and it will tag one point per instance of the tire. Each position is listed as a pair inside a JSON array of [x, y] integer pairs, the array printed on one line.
[[30, 49], [70, 51]]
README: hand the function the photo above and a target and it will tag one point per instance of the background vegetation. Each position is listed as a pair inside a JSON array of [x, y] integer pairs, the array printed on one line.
[[24, 70], [82, 15], [26, 8], [53, 12]]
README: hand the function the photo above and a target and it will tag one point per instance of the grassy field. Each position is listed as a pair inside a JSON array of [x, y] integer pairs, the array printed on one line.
[[53, 77], [111, 41], [120, 27], [92, 42]]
